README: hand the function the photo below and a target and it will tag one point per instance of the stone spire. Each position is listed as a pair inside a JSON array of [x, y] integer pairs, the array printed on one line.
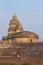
[[14, 20], [14, 25]]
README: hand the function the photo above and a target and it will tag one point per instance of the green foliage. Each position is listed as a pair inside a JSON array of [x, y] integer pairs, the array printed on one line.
[[25, 63], [35, 64]]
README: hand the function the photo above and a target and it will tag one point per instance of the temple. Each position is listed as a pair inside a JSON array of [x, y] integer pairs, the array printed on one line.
[[16, 33], [20, 46]]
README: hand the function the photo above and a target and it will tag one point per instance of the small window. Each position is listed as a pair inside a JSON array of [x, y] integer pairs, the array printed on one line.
[[30, 40]]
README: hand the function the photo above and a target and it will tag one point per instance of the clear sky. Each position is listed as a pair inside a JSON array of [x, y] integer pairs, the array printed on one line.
[[29, 12]]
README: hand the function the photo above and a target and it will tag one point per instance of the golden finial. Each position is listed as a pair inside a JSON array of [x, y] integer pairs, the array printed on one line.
[[14, 17], [14, 14]]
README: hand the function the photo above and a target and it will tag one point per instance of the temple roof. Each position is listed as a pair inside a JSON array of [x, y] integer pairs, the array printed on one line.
[[24, 34]]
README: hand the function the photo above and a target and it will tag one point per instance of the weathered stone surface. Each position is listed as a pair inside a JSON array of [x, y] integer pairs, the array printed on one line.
[[32, 53]]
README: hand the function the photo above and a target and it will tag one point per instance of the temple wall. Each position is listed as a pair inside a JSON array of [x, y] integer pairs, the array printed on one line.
[[18, 53], [22, 40], [26, 40], [10, 41], [33, 39], [24, 49], [5, 41]]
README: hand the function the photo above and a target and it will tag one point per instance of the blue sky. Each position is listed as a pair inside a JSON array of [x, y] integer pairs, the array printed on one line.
[[29, 12]]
